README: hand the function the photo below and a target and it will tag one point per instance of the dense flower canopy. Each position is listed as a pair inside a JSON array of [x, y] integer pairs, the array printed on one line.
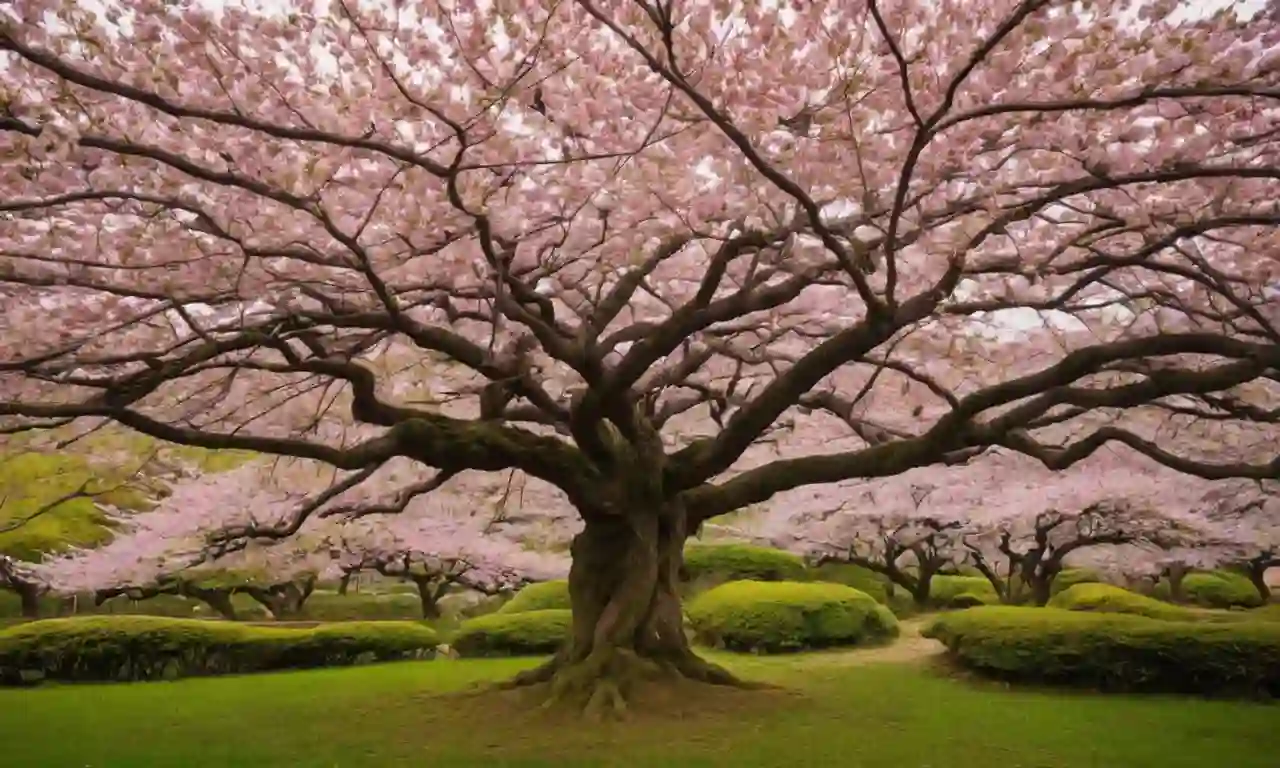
[[746, 246]]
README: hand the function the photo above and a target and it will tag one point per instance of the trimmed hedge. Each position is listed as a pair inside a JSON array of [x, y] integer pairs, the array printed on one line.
[[542, 596], [1214, 589], [733, 562], [779, 616], [526, 633], [855, 576], [961, 592], [1069, 577], [126, 648], [1114, 652], [1105, 598]]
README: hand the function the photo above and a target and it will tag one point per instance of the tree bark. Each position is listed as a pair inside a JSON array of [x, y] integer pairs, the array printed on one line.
[[284, 601], [628, 626], [217, 599], [1258, 577], [1174, 574], [343, 583], [429, 594], [29, 595]]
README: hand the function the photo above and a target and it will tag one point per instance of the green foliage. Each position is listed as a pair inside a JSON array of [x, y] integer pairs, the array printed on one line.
[[542, 596], [961, 592], [1214, 589], [1269, 612], [855, 576], [1069, 577], [121, 648], [330, 606], [776, 616], [535, 632], [1114, 651], [732, 562], [29, 481], [1106, 598]]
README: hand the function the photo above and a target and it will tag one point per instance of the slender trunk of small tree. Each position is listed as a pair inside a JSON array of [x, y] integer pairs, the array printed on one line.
[[1258, 577], [29, 595], [217, 599], [1174, 575], [284, 601], [429, 594], [628, 626]]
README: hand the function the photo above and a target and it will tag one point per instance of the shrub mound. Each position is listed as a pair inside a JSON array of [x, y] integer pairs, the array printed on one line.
[[779, 616], [542, 596], [855, 576], [732, 562], [961, 592], [1106, 598], [1214, 589], [125, 648], [1115, 652], [1069, 577], [526, 633]]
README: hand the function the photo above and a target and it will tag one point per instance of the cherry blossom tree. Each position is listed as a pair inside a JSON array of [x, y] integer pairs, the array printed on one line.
[[667, 258], [1246, 517], [440, 559]]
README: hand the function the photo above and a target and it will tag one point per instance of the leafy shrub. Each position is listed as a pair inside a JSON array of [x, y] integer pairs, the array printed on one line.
[[330, 606], [545, 595], [1069, 577], [1221, 589], [778, 616], [855, 576], [149, 647], [733, 562], [1105, 598], [1214, 589], [961, 591], [514, 634], [1114, 651]]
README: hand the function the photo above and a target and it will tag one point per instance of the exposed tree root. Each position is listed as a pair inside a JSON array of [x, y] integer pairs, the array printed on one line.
[[601, 685]]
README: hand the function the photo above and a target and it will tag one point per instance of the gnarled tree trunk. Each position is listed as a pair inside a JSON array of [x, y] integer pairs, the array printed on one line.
[[628, 626], [284, 601], [430, 590]]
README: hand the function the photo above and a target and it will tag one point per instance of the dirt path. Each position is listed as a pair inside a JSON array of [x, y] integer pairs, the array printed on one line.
[[909, 646]]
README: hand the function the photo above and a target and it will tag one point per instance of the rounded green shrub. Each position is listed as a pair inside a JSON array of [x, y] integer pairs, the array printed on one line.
[[777, 616], [861, 579], [526, 633], [944, 591], [542, 596], [1069, 577], [733, 562], [1221, 589], [127, 648], [1114, 651], [1106, 598], [1214, 589]]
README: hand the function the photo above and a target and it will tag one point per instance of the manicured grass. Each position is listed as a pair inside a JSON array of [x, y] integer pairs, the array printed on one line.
[[839, 712]]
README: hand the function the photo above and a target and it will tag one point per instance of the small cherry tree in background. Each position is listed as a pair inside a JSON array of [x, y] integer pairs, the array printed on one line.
[[163, 551], [667, 258]]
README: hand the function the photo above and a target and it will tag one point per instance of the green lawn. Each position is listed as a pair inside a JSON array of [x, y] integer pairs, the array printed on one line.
[[837, 713]]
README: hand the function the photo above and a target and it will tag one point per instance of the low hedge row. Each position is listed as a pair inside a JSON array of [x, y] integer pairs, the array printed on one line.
[[526, 633], [126, 648], [733, 562], [779, 616], [1116, 652], [1106, 598], [542, 596], [961, 592], [1215, 589]]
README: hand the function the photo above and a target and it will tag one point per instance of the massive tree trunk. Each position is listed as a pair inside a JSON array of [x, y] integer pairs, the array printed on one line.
[[219, 599], [1174, 575], [1258, 577], [628, 626]]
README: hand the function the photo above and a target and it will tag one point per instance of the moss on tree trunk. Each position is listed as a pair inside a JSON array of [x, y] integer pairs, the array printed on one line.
[[628, 626]]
